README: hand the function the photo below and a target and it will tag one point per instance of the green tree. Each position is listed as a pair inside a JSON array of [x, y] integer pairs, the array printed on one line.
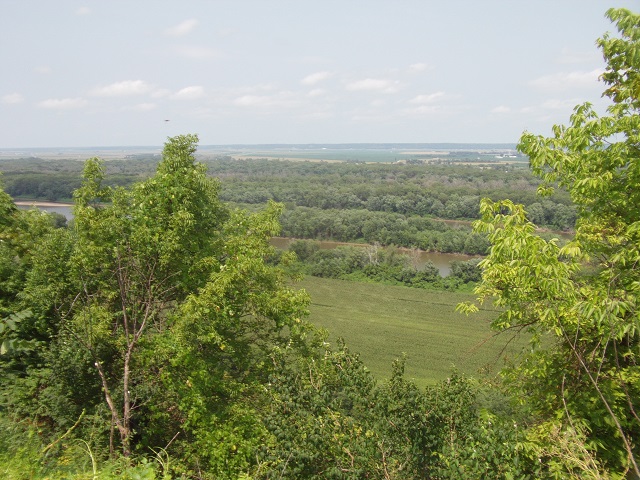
[[9, 264], [133, 260], [466, 271], [140, 272], [584, 297]]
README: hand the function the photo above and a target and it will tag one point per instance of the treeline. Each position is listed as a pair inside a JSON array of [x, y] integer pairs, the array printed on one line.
[[450, 192], [363, 226], [55, 180], [377, 264], [157, 324], [53, 187]]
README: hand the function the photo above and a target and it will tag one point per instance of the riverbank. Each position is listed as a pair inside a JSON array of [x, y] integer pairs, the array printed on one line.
[[419, 258], [35, 203]]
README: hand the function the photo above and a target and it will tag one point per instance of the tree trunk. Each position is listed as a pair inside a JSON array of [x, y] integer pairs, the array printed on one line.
[[125, 433], [121, 423]]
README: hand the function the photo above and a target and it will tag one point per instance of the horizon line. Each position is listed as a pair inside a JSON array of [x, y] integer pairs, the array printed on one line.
[[273, 145]]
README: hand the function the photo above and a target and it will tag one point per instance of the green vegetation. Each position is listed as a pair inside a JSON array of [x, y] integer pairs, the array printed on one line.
[[148, 315], [387, 203], [159, 334], [586, 294], [152, 337], [383, 323], [375, 264]]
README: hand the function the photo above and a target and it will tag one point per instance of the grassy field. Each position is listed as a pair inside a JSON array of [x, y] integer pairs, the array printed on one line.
[[382, 322]]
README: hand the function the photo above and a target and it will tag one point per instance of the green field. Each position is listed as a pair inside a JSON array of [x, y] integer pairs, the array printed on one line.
[[382, 322]]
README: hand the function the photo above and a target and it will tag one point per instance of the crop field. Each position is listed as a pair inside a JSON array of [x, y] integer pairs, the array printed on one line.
[[331, 155], [381, 322], [486, 154]]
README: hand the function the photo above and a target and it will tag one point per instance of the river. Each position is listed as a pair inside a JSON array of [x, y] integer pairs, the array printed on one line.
[[62, 208], [442, 261]]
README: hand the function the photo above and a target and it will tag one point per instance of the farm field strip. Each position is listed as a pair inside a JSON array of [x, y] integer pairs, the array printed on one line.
[[381, 322]]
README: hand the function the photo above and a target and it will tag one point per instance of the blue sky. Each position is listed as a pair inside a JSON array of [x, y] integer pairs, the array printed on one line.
[[109, 73]]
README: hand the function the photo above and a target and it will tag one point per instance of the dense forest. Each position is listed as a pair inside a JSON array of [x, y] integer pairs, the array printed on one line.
[[389, 204], [161, 335]]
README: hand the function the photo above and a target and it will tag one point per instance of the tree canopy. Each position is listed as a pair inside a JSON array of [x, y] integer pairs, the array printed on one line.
[[162, 260], [580, 300]]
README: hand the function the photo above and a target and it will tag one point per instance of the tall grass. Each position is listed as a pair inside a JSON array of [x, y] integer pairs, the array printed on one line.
[[26, 453]]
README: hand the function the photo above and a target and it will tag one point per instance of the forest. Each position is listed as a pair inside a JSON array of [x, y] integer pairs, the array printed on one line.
[[426, 207], [159, 334]]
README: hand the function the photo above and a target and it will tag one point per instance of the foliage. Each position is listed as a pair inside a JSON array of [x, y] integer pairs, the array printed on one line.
[[331, 420], [373, 263], [584, 294], [389, 204], [451, 190], [225, 379], [158, 323], [384, 228], [153, 288], [466, 271]]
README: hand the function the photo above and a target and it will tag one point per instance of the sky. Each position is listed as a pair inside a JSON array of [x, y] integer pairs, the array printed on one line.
[[126, 73]]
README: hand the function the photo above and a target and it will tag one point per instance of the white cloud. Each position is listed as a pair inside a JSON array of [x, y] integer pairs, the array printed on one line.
[[12, 98], [183, 28], [440, 103], [315, 78], [122, 89], [567, 80], [425, 110], [43, 70], [373, 84], [189, 93], [501, 109], [83, 11], [430, 98], [63, 103]]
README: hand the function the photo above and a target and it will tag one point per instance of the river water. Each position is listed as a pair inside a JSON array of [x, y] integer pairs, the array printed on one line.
[[442, 261], [61, 208]]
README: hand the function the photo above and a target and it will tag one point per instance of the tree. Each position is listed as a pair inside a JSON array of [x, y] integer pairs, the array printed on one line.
[[466, 271], [144, 268], [585, 295], [8, 264], [133, 259]]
